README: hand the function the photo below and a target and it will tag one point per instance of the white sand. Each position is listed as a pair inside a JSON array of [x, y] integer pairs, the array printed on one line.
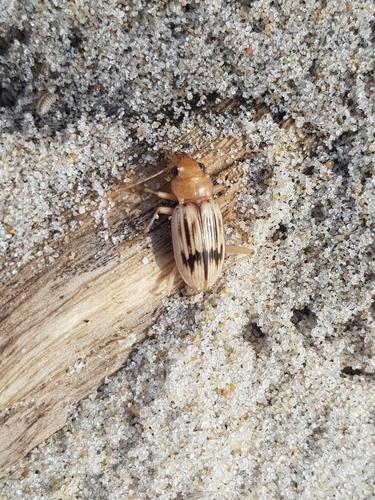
[[265, 387]]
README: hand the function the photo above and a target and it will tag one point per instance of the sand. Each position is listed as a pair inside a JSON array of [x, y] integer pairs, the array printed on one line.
[[263, 387]]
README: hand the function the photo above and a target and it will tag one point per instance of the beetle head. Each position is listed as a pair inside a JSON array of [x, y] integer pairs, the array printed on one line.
[[185, 167]]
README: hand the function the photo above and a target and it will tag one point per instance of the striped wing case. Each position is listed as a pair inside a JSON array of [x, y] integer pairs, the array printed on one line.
[[198, 243]]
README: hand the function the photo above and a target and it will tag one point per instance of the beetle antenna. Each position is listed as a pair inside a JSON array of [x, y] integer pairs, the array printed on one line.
[[142, 181]]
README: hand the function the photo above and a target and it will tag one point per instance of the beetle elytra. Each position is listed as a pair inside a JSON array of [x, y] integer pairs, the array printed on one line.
[[197, 224]]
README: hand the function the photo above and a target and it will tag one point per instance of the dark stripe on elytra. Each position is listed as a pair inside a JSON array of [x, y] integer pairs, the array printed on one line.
[[205, 256], [193, 258], [214, 231], [215, 255], [205, 264], [187, 234]]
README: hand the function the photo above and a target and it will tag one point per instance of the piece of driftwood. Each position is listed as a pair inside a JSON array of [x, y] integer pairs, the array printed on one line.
[[66, 325]]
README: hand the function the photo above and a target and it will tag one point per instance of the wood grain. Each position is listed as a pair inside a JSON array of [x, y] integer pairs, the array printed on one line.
[[67, 324]]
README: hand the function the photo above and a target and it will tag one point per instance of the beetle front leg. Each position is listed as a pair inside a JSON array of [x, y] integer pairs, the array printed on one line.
[[159, 210], [161, 194]]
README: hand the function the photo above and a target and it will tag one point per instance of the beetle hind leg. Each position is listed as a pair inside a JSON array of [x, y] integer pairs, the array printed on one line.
[[240, 250], [171, 280], [246, 252]]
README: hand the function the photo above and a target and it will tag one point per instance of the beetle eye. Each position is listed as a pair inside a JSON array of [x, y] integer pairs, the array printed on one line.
[[174, 171], [202, 167]]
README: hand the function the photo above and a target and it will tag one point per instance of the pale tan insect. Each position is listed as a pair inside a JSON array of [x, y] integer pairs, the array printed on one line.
[[197, 224], [45, 103]]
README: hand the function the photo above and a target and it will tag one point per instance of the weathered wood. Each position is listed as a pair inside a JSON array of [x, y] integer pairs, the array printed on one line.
[[67, 324]]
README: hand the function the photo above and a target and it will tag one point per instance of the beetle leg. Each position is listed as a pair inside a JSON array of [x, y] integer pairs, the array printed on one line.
[[159, 210], [171, 278], [236, 249], [161, 194], [225, 198], [218, 187]]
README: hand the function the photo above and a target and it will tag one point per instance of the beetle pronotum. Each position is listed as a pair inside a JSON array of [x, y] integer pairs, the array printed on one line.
[[197, 224]]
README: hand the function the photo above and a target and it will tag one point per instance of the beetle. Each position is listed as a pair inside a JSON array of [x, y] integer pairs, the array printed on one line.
[[197, 224], [45, 103]]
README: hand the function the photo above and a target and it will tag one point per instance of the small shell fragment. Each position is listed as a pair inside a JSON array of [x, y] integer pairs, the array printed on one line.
[[45, 103]]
